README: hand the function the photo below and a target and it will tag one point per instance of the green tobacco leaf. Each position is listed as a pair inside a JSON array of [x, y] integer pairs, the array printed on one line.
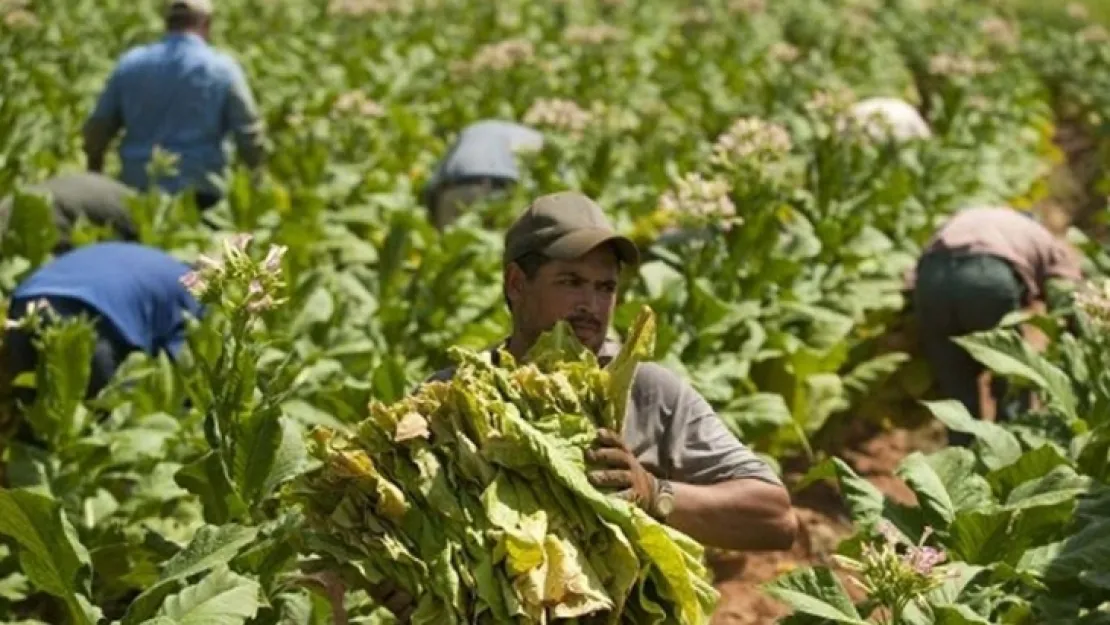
[[932, 495], [867, 376], [66, 354], [956, 468], [958, 615], [207, 478], [210, 547], [639, 346], [864, 500], [817, 592], [49, 553], [1005, 352], [269, 451], [559, 344], [759, 412], [221, 598], [30, 230], [1031, 465], [1088, 551], [982, 537], [997, 447], [1061, 484]]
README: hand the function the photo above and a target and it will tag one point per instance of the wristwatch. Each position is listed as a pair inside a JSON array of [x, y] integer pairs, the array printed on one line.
[[664, 500]]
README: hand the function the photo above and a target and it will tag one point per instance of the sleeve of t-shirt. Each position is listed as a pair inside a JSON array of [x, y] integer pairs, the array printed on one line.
[[702, 449]]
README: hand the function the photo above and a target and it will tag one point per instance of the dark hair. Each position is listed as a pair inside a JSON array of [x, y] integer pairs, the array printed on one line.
[[185, 20], [530, 263]]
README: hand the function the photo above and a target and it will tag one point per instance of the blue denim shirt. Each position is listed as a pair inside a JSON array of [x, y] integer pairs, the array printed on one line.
[[186, 97]]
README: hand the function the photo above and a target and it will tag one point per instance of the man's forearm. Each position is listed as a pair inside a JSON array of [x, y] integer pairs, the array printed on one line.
[[98, 135], [744, 514]]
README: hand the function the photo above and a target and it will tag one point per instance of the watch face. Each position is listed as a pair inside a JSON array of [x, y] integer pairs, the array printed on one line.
[[666, 504]]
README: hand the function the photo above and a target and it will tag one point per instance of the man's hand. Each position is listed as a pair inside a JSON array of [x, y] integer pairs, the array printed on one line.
[[617, 468]]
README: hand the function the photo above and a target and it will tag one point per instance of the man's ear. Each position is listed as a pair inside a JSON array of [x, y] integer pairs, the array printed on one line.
[[515, 281]]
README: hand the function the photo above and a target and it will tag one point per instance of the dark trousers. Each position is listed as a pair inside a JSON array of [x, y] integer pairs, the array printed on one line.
[[957, 294], [21, 355], [207, 199]]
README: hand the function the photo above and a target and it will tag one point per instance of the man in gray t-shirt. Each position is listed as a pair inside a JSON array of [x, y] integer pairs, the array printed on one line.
[[674, 457]]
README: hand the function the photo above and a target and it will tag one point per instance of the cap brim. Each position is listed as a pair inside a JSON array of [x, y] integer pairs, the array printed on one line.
[[580, 242]]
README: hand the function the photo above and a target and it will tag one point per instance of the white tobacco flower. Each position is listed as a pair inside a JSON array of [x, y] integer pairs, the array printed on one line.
[[272, 263], [751, 138], [959, 66], [1000, 31], [559, 114], [195, 283], [695, 200], [354, 8], [20, 18], [1094, 34], [501, 56], [831, 102], [1093, 300], [783, 52], [747, 7], [592, 35], [356, 102], [1077, 11]]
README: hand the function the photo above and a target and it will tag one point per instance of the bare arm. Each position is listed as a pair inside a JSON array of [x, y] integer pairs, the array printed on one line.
[[740, 514], [103, 124], [98, 135]]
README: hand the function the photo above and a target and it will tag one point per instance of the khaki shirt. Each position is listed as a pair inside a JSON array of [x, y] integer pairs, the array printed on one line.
[[675, 433], [1034, 252]]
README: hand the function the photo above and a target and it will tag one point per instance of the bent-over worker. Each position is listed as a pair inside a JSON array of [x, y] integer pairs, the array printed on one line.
[[480, 164], [133, 294], [99, 199], [982, 264]]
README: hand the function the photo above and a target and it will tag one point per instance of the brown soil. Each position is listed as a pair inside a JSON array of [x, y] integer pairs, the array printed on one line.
[[823, 521]]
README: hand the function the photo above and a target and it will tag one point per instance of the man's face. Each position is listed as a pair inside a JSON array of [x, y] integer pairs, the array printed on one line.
[[582, 291]]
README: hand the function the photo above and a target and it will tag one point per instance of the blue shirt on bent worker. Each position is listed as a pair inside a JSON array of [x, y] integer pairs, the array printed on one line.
[[184, 96], [136, 287]]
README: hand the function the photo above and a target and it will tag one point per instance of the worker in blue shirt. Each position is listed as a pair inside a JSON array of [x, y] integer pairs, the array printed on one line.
[[182, 96], [480, 164], [132, 292]]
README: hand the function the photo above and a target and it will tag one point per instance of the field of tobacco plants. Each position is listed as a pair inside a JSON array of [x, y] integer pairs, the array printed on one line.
[[209, 492]]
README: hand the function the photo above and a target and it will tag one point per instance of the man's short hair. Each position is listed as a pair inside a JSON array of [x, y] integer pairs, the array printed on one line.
[[184, 14]]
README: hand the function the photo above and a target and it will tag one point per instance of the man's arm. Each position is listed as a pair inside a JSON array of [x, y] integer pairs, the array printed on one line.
[[724, 494], [103, 123], [243, 120], [745, 514]]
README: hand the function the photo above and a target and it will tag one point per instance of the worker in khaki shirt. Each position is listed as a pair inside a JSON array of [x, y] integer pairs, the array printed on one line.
[[983, 264], [674, 458]]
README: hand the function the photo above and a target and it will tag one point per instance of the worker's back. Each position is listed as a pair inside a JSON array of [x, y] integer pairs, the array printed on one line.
[[137, 288], [1034, 252], [173, 94]]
